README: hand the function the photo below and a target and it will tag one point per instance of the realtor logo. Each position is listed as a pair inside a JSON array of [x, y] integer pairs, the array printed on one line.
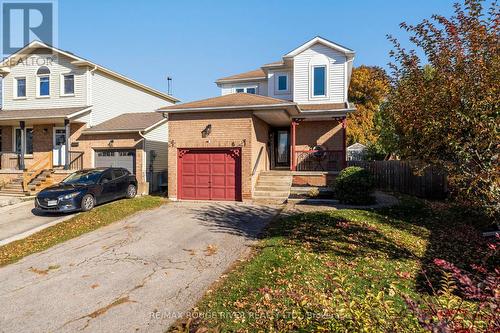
[[26, 21]]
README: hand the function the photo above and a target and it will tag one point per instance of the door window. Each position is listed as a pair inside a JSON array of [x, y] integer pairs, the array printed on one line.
[[282, 147], [60, 137]]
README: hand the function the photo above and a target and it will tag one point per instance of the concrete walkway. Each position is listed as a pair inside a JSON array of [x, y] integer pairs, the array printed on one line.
[[136, 275], [22, 219]]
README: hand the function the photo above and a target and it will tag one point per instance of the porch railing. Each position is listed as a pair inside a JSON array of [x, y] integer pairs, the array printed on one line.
[[320, 160], [76, 160], [9, 161], [43, 162]]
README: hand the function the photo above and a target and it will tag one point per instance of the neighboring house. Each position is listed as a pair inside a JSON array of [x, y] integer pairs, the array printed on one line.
[[288, 116], [61, 113], [356, 152]]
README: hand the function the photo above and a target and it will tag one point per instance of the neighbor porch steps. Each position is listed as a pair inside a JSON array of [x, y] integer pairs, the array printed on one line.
[[273, 187], [15, 187]]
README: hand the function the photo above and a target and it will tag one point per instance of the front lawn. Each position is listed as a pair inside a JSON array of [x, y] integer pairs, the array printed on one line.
[[76, 226], [338, 270]]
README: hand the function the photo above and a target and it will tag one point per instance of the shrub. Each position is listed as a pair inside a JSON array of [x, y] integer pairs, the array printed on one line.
[[355, 185], [313, 193]]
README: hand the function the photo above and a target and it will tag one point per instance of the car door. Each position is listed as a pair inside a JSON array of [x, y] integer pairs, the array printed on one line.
[[121, 180], [108, 187]]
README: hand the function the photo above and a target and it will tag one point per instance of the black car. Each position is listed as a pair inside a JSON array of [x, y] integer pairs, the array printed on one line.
[[84, 189]]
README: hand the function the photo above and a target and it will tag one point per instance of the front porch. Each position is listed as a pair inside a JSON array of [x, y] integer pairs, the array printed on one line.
[[36, 153]]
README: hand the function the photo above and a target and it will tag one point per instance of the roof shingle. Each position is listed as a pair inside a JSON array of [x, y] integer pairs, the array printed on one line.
[[137, 121], [322, 107], [40, 113], [231, 100], [255, 74]]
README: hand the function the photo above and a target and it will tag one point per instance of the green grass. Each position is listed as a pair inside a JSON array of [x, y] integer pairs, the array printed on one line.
[[76, 226], [354, 267]]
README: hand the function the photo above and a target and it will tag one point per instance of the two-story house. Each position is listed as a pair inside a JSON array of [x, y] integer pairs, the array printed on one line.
[[62, 113], [280, 124]]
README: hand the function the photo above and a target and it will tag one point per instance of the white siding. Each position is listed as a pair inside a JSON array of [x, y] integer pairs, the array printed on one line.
[[157, 140], [112, 97], [272, 85], [230, 88], [336, 75], [58, 65]]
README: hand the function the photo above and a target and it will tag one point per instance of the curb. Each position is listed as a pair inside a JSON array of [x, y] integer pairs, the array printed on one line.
[[19, 204], [33, 230]]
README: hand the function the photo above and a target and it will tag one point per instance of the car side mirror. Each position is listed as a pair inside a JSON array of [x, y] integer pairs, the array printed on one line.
[[104, 180]]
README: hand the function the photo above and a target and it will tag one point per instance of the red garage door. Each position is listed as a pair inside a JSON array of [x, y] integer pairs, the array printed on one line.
[[209, 174]]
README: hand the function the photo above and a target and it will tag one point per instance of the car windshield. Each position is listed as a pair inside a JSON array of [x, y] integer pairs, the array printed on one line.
[[83, 177]]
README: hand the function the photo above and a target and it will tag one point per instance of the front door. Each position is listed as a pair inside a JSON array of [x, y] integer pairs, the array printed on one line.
[[282, 148], [59, 150]]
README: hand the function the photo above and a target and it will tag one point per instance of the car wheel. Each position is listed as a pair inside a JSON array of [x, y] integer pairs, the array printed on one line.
[[131, 191], [88, 202]]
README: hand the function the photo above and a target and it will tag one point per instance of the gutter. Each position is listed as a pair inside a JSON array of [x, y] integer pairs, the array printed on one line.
[[223, 108]]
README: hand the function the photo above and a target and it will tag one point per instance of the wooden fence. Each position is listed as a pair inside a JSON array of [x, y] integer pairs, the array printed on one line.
[[403, 177]]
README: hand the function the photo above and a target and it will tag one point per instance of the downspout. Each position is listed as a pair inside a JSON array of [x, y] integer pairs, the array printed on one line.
[[143, 164]]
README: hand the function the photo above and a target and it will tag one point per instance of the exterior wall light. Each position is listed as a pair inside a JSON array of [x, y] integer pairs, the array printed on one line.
[[206, 132]]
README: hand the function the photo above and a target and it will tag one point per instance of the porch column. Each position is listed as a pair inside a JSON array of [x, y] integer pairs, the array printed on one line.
[[293, 165], [66, 152], [344, 142], [22, 125]]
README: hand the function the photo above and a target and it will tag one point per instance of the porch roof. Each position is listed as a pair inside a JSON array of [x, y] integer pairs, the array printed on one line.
[[43, 114], [237, 101], [128, 122]]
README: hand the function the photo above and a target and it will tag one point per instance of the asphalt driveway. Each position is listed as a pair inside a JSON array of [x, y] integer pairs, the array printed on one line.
[[136, 275], [21, 218]]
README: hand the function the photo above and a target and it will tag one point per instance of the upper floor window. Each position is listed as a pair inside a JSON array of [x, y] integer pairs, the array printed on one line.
[[20, 88], [319, 80], [68, 84], [43, 77], [248, 90], [282, 82]]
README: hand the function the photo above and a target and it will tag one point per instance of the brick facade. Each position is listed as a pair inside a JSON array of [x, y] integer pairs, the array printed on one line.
[[43, 143], [229, 129], [325, 133]]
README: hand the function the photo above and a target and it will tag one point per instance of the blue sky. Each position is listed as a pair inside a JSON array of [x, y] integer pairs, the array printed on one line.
[[196, 42]]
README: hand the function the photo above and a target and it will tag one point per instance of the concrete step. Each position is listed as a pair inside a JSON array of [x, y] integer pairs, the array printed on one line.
[[271, 194], [275, 178], [270, 201], [13, 186], [276, 173], [14, 193], [280, 187]]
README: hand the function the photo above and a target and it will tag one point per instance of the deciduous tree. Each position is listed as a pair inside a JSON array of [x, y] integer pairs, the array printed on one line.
[[368, 89], [445, 105]]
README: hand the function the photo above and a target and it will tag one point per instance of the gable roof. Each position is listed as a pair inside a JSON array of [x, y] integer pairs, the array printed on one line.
[[320, 40], [230, 101], [260, 74], [128, 122], [257, 74], [78, 61]]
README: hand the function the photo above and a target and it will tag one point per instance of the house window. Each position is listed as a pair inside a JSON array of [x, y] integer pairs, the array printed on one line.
[[43, 74], [282, 83], [319, 81], [21, 87], [68, 84], [28, 141], [248, 90]]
